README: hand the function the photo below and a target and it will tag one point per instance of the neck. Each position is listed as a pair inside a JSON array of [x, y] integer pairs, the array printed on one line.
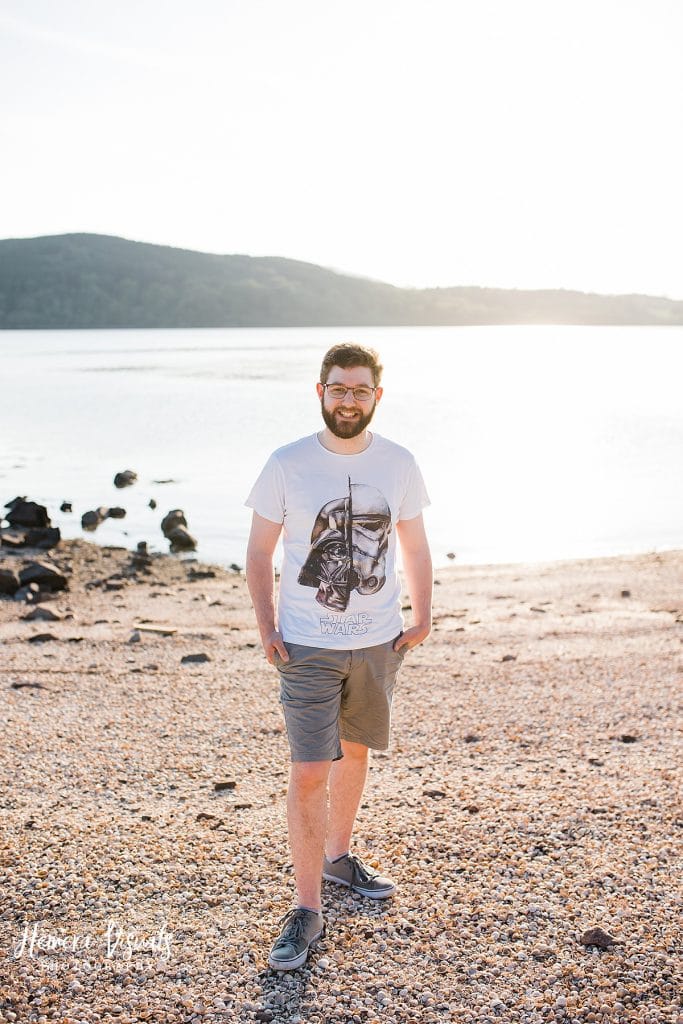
[[344, 445]]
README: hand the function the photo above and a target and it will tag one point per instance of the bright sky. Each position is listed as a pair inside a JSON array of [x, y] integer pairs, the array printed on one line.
[[512, 143]]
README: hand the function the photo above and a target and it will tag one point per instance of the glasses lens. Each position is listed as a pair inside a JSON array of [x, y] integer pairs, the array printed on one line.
[[361, 394]]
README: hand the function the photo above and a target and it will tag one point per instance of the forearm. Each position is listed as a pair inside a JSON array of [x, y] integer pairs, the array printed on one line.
[[417, 568], [261, 584]]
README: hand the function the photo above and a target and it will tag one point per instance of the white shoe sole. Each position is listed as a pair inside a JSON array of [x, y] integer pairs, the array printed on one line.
[[297, 961]]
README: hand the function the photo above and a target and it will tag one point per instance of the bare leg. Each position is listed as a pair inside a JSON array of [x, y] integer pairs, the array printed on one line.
[[347, 781], [306, 818]]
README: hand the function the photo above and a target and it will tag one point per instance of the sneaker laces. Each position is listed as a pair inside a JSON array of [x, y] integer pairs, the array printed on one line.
[[294, 922], [361, 872]]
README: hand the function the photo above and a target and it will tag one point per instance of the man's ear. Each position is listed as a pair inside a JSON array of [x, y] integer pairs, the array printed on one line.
[[378, 393], [320, 389]]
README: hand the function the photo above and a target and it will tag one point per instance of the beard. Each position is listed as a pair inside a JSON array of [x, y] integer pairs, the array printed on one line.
[[346, 429]]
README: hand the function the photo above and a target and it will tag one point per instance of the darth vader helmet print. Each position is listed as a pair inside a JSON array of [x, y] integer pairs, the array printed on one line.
[[348, 547]]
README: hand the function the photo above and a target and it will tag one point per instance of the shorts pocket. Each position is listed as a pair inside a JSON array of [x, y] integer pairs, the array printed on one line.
[[402, 652]]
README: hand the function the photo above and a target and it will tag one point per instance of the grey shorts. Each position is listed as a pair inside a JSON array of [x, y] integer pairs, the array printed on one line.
[[331, 695]]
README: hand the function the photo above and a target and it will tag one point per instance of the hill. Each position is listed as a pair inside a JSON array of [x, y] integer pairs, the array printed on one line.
[[100, 281]]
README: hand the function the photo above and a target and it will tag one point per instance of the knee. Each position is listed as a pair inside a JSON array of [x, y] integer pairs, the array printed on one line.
[[307, 776], [354, 751]]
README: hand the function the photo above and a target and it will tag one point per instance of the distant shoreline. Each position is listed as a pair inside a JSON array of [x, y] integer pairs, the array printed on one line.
[[102, 282]]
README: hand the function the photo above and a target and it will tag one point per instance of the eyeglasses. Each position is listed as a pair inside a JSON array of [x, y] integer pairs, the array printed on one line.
[[361, 394]]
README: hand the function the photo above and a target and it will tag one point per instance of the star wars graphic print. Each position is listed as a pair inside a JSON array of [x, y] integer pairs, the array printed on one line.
[[348, 547]]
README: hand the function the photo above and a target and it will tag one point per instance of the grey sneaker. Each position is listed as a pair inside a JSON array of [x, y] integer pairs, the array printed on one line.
[[300, 930], [350, 871]]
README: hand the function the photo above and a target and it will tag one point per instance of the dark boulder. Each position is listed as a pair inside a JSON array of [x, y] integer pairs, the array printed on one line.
[[27, 513], [46, 538], [45, 575], [172, 520], [125, 479], [15, 501], [181, 540], [116, 513], [92, 519], [65, 507]]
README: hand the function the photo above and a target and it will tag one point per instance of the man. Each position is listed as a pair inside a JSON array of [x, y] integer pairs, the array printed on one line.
[[342, 496]]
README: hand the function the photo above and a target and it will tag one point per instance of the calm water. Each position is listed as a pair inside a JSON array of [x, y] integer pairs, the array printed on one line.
[[535, 442]]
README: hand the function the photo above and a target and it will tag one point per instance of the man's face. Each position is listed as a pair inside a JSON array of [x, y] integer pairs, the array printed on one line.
[[347, 417]]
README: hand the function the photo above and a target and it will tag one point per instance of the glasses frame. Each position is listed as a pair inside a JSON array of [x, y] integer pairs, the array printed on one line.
[[358, 387]]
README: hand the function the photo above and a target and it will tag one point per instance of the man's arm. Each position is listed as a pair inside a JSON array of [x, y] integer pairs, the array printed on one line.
[[417, 565], [260, 580]]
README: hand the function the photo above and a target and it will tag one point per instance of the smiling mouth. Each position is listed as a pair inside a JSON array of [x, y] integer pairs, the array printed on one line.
[[348, 415]]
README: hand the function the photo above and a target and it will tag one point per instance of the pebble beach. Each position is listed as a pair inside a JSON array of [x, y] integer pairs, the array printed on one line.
[[529, 808]]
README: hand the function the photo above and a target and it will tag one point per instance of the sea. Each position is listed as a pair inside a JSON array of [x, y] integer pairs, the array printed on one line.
[[536, 443]]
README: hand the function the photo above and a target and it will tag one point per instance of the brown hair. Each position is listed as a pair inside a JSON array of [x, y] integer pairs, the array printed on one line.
[[348, 355]]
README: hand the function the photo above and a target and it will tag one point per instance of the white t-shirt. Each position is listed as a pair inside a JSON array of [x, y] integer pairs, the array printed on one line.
[[339, 586]]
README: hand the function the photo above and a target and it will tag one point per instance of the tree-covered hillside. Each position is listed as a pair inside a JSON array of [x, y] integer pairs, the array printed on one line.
[[82, 280]]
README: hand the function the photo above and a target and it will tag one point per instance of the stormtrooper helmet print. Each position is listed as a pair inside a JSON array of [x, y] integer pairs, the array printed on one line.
[[348, 547]]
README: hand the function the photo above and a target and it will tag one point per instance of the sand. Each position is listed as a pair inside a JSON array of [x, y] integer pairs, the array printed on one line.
[[532, 792]]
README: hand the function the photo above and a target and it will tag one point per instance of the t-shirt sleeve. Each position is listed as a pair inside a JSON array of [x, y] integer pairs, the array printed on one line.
[[267, 496], [415, 497]]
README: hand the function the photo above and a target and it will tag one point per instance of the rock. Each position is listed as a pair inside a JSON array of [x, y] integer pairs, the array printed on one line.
[[43, 537], [436, 794], [125, 479], [9, 581], [190, 659], [450, 554], [10, 537], [220, 786], [181, 540], [628, 738], [198, 574], [15, 501], [28, 593], [509, 657], [31, 537], [173, 519], [264, 1015], [42, 615], [47, 576], [91, 520], [116, 513], [33, 686], [140, 558], [42, 638], [152, 503], [471, 738], [134, 638], [65, 507], [626, 593], [27, 513], [235, 567], [598, 937]]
